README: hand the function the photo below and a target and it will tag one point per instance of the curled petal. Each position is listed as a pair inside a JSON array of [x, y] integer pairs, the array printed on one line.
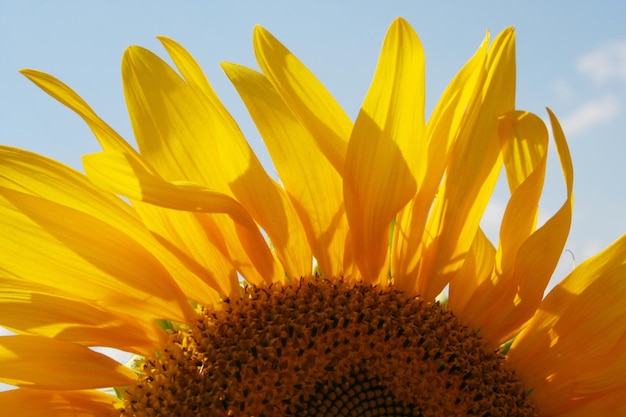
[[573, 351], [503, 300]]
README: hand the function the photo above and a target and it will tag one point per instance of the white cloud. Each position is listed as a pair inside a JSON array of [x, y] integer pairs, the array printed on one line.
[[590, 114], [605, 64], [564, 90], [589, 249]]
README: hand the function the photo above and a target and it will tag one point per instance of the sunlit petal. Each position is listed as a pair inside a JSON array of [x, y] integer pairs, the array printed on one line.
[[471, 173], [359, 281], [108, 138], [526, 258], [54, 220], [188, 135], [68, 365], [315, 188], [314, 106], [37, 403], [441, 132], [380, 167], [25, 308], [117, 173], [111, 141], [574, 348]]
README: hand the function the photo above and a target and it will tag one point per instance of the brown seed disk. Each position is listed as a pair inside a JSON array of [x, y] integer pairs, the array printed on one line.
[[321, 347]]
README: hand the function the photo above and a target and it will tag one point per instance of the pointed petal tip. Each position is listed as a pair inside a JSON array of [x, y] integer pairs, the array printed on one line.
[[225, 65], [133, 55], [400, 22], [127, 54], [130, 50], [166, 41], [135, 50], [231, 69], [262, 35], [508, 32], [31, 74]]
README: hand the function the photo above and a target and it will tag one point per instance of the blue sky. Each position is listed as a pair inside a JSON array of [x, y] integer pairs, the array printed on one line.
[[571, 57]]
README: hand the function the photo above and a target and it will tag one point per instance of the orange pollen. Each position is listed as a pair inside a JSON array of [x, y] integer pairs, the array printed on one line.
[[320, 347]]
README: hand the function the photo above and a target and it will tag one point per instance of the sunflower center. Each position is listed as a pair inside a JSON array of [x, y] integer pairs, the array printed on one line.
[[326, 348]]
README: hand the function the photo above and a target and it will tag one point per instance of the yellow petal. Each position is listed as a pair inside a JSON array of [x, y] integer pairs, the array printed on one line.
[[533, 263], [188, 135], [609, 404], [379, 176], [197, 240], [59, 231], [29, 309], [573, 351], [441, 131], [307, 176], [166, 226], [476, 272], [526, 258], [524, 148], [108, 138], [37, 403], [312, 104], [39, 362], [119, 174], [471, 173], [191, 71]]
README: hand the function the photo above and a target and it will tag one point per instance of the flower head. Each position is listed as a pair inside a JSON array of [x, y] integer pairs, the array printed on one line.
[[315, 295]]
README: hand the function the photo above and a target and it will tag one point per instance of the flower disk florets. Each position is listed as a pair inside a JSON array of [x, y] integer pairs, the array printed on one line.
[[322, 347]]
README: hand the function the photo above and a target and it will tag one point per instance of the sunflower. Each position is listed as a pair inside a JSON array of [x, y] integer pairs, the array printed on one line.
[[317, 295]]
